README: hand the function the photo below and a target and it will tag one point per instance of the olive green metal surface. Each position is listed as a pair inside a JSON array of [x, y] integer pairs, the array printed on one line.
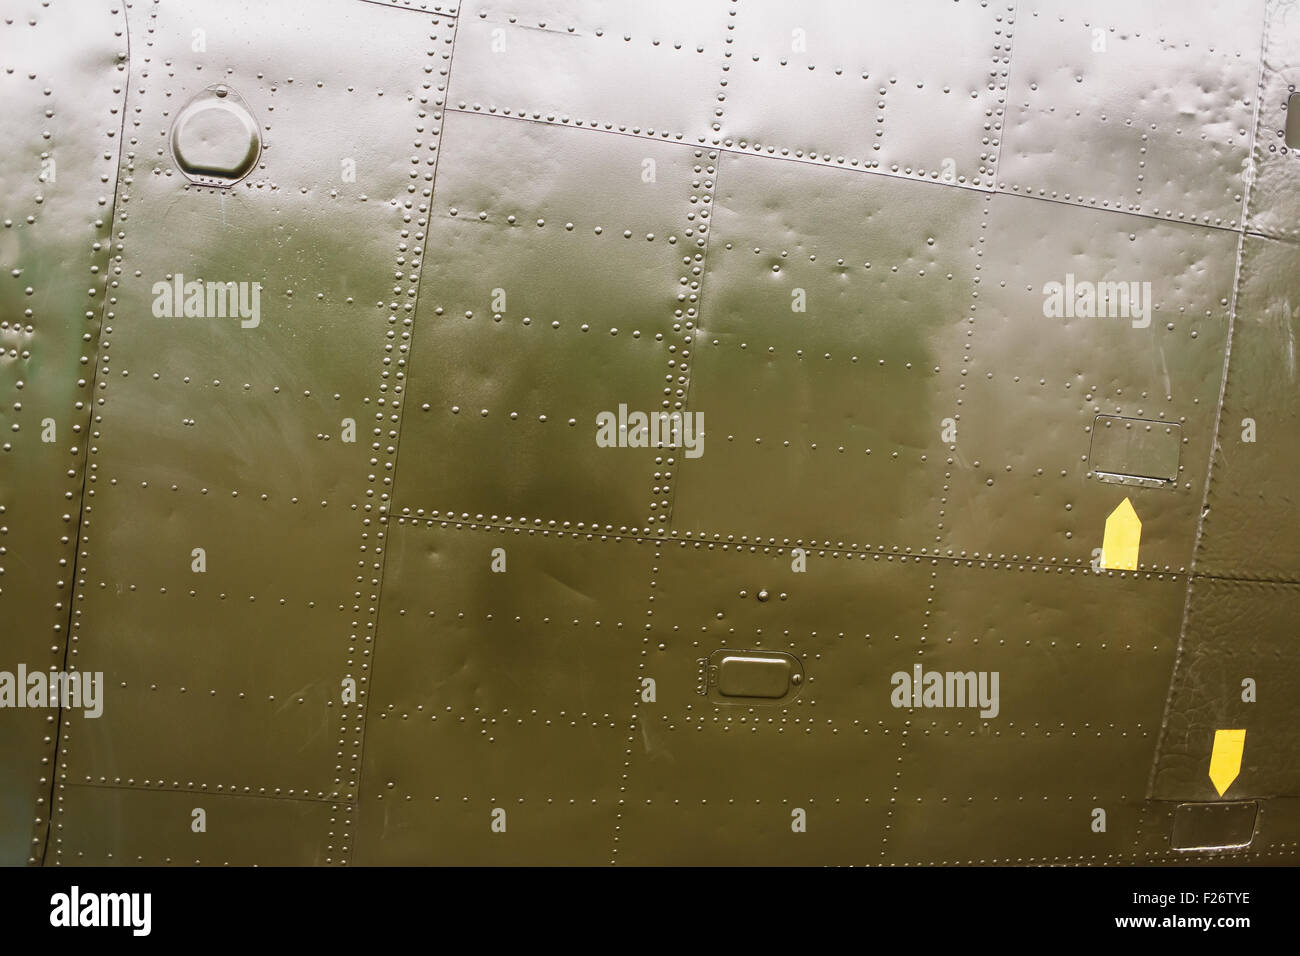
[[366, 587]]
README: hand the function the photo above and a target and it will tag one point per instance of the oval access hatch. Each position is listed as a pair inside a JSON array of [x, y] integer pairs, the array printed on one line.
[[214, 139]]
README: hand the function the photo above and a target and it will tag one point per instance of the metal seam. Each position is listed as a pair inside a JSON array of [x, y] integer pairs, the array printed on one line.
[[1218, 416]]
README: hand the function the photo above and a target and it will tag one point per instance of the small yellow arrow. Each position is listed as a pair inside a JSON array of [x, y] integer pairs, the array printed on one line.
[[1225, 759], [1119, 545]]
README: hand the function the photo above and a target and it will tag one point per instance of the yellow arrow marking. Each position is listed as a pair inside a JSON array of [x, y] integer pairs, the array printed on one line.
[[1225, 759], [1119, 546]]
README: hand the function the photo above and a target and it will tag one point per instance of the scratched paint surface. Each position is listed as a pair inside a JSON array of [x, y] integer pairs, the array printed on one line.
[[364, 586]]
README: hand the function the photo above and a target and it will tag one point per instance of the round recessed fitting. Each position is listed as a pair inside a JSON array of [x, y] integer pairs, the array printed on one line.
[[214, 139]]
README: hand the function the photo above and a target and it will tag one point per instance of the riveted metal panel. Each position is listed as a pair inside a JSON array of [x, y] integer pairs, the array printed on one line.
[[1056, 770], [506, 676], [983, 829], [642, 69], [422, 6], [1250, 522], [845, 617], [1082, 661], [112, 826], [1237, 631], [495, 647], [829, 303], [1078, 652], [244, 687], [248, 642], [915, 91], [1139, 107], [63, 86], [553, 297], [1277, 832], [831, 751], [1036, 381], [400, 828], [1273, 207], [839, 830], [445, 595], [706, 786]]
